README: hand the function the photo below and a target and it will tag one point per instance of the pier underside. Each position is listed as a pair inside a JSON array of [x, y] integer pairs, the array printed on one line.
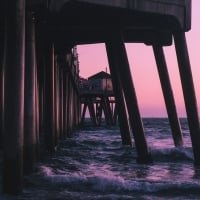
[[39, 73], [85, 22]]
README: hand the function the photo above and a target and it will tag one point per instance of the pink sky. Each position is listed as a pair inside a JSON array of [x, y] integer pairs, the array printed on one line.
[[93, 58]]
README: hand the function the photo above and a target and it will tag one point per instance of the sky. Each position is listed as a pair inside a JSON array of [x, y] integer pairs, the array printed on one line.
[[93, 58]]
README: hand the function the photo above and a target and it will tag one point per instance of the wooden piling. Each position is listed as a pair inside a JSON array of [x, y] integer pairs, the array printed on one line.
[[39, 93], [41, 79], [107, 110], [61, 92], [14, 97], [29, 98], [67, 101], [69, 106], [2, 61], [83, 112], [77, 104], [49, 104], [188, 92], [56, 100], [118, 91], [2, 67], [168, 95], [37, 115], [99, 110], [91, 110], [79, 109], [115, 114], [64, 102], [124, 73]]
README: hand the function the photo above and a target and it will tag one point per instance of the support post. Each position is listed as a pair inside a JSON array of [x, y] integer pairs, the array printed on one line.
[[124, 73], [56, 100], [49, 111], [29, 97], [40, 51], [168, 95], [14, 97], [188, 92], [37, 117], [61, 101], [2, 66], [106, 110], [2, 61], [115, 113], [64, 102], [99, 111], [83, 112], [68, 102], [118, 91], [69, 106], [91, 110], [40, 96]]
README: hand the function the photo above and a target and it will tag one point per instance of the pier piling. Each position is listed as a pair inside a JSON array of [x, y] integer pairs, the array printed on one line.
[[61, 102], [64, 102], [188, 92], [56, 100], [37, 114], [49, 102], [119, 52], [168, 95], [30, 97], [2, 68], [119, 96], [14, 97], [69, 106]]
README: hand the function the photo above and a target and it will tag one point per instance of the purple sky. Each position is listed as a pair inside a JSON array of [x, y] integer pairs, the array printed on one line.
[[93, 59]]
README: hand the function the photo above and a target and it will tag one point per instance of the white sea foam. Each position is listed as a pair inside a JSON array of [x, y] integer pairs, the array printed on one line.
[[110, 183], [179, 153], [47, 171]]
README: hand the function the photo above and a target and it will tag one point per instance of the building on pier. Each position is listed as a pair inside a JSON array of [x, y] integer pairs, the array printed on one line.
[[100, 81], [96, 95]]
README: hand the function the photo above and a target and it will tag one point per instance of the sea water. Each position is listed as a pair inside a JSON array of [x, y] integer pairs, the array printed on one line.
[[94, 165]]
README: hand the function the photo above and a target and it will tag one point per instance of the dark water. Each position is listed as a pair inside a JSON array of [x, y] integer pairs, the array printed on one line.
[[93, 165]]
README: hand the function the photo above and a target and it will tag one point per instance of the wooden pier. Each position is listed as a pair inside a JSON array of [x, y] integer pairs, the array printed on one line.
[[96, 95], [40, 103], [99, 104]]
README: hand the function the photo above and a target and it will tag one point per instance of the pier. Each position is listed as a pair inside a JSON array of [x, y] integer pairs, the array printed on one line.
[[96, 94], [40, 99]]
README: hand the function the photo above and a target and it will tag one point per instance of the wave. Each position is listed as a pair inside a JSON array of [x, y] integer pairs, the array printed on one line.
[[104, 183], [177, 154]]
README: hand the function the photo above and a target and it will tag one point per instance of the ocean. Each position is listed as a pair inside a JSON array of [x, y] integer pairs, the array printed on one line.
[[93, 165]]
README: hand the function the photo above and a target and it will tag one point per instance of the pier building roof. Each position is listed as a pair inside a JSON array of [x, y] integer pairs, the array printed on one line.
[[100, 75]]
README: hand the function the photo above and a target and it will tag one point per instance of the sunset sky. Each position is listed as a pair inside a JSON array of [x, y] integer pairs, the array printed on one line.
[[93, 58]]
